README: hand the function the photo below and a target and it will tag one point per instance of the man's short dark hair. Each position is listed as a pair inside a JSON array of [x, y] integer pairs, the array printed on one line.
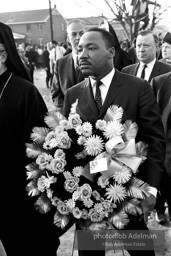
[[107, 36], [54, 42]]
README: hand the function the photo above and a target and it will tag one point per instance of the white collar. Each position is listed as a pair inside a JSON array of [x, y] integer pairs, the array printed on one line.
[[105, 80]]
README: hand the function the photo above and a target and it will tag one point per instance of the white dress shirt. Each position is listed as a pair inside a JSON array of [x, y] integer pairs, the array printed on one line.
[[148, 69], [106, 81]]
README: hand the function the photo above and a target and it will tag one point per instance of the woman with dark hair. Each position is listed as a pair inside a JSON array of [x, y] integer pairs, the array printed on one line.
[[121, 58]]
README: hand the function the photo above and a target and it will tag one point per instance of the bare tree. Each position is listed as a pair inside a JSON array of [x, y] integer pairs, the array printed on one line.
[[135, 15]]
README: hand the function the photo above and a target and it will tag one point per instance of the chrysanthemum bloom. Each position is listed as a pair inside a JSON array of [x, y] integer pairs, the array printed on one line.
[[113, 129], [70, 204], [77, 171], [79, 130], [74, 120], [88, 203], [122, 176], [116, 193], [94, 145], [87, 129]]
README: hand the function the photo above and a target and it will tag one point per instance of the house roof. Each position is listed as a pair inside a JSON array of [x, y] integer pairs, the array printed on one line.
[[31, 16]]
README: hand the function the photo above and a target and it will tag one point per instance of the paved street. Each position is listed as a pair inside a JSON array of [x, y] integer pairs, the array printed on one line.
[[67, 239]]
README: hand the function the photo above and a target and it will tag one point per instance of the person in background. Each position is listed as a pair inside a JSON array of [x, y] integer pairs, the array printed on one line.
[[56, 53], [23, 230], [46, 53], [95, 53], [121, 58], [162, 89], [148, 66], [166, 49], [21, 52], [32, 60], [67, 72]]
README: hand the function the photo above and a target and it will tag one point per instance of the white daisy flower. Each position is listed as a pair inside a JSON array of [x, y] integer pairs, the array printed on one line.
[[67, 175], [122, 176], [94, 145], [113, 129], [116, 193], [87, 129], [88, 203], [70, 203], [98, 207], [79, 130], [77, 171]]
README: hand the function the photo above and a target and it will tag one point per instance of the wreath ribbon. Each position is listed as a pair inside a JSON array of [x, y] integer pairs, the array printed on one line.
[[117, 153]]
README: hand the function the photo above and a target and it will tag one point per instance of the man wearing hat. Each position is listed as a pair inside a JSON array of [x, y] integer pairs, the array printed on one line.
[[23, 230], [166, 49]]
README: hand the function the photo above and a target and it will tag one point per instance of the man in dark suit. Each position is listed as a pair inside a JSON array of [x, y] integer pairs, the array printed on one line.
[[148, 68], [162, 89], [135, 96], [67, 72], [146, 46]]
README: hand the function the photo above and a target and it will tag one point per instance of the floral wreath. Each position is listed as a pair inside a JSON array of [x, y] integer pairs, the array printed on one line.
[[87, 171]]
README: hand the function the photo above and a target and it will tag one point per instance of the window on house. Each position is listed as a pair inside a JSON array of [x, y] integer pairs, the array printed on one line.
[[40, 41], [40, 27], [28, 27]]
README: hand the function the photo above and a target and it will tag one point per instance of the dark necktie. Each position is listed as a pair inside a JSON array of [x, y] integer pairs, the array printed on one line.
[[143, 71], [98, 97]]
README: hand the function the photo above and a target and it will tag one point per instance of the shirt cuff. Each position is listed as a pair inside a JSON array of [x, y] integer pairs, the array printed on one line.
[[153, 191]]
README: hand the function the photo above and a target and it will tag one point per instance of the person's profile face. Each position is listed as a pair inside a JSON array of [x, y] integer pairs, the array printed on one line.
[[166, 50]]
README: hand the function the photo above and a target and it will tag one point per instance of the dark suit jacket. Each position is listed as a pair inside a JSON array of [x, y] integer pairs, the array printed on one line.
[[137, 99], [64, 78], [158, 69], [162, 89]]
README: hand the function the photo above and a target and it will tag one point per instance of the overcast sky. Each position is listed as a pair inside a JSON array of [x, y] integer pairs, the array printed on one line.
[[67, 8]]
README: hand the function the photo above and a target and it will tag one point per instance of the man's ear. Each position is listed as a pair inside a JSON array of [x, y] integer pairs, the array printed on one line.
[[111, 52], [4, 56]]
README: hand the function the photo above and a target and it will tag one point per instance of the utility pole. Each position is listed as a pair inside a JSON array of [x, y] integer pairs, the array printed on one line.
[[51, 21]]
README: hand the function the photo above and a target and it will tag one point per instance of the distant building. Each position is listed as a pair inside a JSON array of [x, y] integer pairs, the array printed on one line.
[[34, 26]]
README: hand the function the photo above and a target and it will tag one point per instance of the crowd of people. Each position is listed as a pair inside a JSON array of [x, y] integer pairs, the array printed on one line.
[[136, 77]]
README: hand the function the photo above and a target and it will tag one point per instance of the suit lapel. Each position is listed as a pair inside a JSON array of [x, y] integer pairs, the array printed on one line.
[[70, 69], [155, 71]]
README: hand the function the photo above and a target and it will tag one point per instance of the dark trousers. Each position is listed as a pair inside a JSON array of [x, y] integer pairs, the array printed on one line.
[[134, 224]]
